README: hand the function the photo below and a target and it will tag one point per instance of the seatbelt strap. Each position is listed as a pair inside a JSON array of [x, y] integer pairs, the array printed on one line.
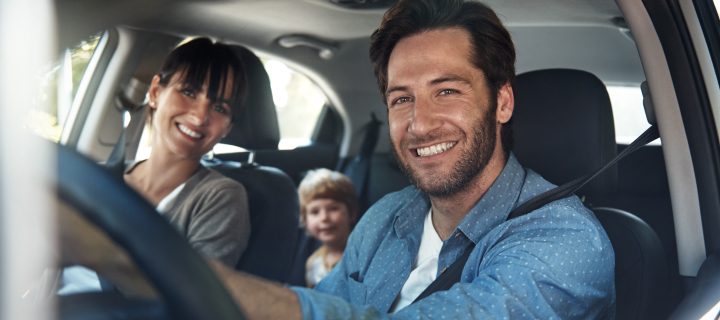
[[453, 273], [448, 278], [116, 162], [569, 188]]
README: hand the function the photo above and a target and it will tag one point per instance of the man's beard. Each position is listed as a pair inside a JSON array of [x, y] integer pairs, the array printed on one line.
[[472, 162]]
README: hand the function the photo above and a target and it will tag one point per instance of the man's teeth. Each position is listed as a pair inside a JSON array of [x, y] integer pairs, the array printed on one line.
[[438, 148], [189, 132]]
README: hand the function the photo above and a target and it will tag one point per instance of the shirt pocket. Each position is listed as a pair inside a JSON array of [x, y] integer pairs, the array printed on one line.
[[358, 290]]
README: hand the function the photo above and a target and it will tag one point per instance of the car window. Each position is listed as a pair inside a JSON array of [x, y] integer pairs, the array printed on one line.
[[59, 84], [628, 113], [298, 102]]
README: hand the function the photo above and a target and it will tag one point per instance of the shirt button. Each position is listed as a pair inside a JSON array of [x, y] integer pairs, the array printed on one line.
[[443, 270], [457, 235]]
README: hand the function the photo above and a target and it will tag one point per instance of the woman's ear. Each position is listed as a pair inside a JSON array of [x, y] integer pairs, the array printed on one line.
[[154, 91]]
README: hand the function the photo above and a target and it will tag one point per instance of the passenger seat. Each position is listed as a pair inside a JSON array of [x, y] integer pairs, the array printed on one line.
[[563, 128], [272, 195]]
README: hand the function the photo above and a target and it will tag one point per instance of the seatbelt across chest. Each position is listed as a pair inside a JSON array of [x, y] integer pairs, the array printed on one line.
[[453, 273]]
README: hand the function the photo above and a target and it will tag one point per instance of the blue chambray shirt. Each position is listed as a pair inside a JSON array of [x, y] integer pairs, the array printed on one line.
[[553, 263]]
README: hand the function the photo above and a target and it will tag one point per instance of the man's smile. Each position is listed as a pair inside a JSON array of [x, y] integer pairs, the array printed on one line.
[[435, 149]]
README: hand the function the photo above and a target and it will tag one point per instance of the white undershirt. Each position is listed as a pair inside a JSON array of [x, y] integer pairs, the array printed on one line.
[[424, 269], [78, 279]]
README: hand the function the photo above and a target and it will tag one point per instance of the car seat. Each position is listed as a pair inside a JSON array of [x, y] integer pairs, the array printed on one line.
[[563, 129], [272, 196]]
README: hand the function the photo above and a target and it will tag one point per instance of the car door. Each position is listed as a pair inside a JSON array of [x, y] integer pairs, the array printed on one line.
[[678, 44]]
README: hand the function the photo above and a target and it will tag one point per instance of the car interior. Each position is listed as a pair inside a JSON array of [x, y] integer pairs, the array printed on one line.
[[575, 58]]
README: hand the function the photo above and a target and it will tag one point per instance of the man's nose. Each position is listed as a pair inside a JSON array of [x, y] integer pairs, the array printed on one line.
[[424, 117]]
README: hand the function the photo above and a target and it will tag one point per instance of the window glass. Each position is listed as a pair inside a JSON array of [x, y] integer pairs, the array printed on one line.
[[628, 113], [298, 102], [59, 82]]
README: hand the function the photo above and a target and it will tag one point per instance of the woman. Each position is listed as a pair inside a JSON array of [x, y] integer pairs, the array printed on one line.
[[192, 103]]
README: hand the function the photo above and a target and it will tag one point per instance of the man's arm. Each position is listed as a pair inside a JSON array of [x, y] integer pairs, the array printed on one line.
[[85, 244], [258, 298]]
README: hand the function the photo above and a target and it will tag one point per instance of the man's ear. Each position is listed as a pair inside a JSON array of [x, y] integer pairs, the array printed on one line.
[[154, 91], [505, 103]]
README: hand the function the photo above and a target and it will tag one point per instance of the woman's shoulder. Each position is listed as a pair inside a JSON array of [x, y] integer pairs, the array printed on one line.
[[212, 180]]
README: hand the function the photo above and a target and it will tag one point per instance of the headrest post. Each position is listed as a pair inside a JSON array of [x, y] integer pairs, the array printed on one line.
[[251, 157]]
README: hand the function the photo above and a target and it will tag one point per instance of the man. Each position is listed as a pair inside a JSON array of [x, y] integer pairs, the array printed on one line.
[[445, 69]]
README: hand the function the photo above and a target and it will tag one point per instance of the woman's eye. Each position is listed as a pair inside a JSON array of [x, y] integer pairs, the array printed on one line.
[[221, 109], [188, 92]]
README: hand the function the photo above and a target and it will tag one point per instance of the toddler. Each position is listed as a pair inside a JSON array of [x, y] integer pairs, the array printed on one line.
[[328, 211]]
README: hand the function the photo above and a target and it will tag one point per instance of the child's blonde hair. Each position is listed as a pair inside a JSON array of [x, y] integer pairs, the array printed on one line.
[[326, 184]]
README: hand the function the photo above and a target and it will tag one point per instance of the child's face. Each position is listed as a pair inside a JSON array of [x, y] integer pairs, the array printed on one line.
[[328, 221]]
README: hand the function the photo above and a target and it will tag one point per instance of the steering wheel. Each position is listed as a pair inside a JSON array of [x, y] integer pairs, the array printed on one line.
[[189, 287]]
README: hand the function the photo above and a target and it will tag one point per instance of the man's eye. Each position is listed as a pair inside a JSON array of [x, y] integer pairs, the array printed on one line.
[[447, 91], [400, 100]]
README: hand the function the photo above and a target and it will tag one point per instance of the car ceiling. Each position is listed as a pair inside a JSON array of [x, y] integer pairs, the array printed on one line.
[[579, 34]]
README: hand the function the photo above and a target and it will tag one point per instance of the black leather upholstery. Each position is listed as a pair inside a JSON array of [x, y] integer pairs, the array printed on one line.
[[257, 127], [642, 280], [274, 210], [564, 128], [272, 196], [563, 118]]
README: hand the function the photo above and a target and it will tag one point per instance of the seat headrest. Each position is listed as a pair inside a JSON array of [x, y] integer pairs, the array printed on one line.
[[256, 128], [563, 127]]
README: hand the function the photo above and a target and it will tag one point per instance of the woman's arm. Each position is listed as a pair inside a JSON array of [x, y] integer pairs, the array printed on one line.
[[219, 226]]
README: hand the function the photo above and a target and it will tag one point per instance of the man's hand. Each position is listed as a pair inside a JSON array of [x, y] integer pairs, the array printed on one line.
[[82, 243], [258, 298]]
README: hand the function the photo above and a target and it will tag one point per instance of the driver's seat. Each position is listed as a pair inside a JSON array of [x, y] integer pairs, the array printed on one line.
[[272, 196], [563, 129]]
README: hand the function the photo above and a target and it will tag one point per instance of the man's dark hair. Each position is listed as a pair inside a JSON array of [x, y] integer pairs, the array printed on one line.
[[492, 49], [200, 56]]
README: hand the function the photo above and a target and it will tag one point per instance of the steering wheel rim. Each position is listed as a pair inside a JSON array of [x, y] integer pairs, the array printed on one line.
[[188, 285]]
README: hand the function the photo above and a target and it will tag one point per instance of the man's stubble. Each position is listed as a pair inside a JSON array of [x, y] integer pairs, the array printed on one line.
[[473, 160]]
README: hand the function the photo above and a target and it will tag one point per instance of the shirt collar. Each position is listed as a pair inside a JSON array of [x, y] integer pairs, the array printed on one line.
[[492, 209]]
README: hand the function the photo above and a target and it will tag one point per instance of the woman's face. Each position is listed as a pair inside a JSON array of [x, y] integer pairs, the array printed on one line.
[[185, 122]]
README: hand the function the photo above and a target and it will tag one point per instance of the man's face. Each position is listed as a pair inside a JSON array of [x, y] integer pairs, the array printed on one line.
[[443, 125]]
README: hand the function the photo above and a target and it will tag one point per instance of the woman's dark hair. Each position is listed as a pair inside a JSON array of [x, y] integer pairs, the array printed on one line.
[[492, 48], [198, 57]]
